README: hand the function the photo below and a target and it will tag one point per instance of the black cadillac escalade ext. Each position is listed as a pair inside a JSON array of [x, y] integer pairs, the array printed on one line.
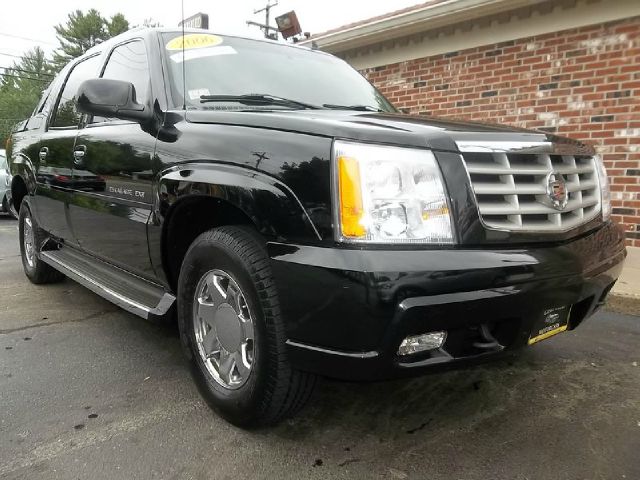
[[296, 223]]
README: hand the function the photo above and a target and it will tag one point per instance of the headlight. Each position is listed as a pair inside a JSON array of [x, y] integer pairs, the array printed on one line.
[[390, 195], [605, 195]]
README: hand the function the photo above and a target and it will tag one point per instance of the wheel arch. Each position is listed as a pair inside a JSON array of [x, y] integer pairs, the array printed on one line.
[[17, 193], [198, 197], [23, 180]]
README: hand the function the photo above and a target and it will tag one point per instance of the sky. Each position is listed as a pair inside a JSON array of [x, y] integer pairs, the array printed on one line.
[[34, 20]]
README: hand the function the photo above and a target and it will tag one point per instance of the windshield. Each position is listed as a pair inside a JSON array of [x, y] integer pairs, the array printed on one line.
[[217, 65]]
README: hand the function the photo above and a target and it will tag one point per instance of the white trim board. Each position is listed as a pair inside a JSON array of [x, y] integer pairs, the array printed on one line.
[[490, 31]]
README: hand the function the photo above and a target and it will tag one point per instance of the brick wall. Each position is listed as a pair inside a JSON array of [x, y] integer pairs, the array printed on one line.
[[583, 83]]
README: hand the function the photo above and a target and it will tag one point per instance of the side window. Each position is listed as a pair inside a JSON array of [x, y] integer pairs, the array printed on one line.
[[41, 112], [35, 120], [128, 62], [51, 94], [66, 113], [43, 100]]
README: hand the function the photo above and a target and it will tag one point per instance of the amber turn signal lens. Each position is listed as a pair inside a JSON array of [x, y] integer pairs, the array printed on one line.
[[351, 210]]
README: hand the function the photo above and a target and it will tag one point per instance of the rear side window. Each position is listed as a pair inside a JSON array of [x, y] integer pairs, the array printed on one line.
[[40, 107], [66, 113]]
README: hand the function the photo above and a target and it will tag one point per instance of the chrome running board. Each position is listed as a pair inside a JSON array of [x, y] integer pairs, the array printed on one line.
[[128, 291]]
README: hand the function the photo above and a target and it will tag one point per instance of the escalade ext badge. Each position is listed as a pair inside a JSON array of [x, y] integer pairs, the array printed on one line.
[[557, 191]]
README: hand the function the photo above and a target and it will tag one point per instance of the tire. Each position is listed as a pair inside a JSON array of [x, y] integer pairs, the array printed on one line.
[[273, 389], [35, 269]]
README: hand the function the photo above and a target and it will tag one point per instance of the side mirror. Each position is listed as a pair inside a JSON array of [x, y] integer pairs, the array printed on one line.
[[111, 98]]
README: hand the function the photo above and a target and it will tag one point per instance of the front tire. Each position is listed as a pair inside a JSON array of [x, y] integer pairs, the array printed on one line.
[[31, 238], [232, 330]]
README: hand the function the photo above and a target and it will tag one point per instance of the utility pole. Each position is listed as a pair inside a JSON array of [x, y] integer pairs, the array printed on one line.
[[266, 28]]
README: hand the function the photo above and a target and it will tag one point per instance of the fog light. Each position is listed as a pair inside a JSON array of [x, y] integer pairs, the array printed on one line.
[[421, 343]]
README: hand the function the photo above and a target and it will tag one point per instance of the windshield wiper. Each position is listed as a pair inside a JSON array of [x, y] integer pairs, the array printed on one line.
[[361, 108], [258, 99]]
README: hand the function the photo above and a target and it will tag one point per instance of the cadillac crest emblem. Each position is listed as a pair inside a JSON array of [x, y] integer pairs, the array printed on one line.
[[557, 191]]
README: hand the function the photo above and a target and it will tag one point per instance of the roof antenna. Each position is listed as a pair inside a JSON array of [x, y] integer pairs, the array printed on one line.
[[184, 76]]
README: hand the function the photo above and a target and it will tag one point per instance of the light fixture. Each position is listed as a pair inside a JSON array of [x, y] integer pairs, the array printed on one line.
[[422, 343]]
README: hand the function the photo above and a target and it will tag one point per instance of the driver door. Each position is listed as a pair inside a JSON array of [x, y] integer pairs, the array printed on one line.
[[113, 173]]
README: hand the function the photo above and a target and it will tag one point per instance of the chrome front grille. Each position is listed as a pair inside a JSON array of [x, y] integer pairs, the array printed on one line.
[[512, 190]]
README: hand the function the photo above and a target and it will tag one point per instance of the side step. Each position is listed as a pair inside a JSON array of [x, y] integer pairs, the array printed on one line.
[[132, 293]]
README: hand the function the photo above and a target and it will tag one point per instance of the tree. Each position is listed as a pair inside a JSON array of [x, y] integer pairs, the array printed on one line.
[[22, 84], [21, 87], [117, 25], [84, 30], [32, 66]]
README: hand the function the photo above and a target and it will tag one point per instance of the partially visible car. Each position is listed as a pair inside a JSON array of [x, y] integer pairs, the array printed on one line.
[[5, 182]]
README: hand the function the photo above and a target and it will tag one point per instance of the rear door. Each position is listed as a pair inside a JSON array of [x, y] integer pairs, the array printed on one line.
[[54, 174], [113, 172]]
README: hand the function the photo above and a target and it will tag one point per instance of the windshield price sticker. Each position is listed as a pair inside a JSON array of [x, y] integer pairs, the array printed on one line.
[[196, 93], [202, 52], [193, 41]]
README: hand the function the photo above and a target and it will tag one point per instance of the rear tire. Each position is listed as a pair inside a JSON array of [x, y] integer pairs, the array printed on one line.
[[31, 238], [264, 388]]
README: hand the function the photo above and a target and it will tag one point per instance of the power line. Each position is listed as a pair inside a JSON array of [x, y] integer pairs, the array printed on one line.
[[30, 72], [22, 77], [11, 55], [266, 27], [28, 39]]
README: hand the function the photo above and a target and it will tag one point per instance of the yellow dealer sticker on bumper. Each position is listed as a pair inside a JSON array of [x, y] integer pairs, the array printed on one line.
[[193, 40], [547, 334], [552, 321]]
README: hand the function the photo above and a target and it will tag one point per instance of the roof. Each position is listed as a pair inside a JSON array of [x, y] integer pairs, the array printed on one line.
[[419, 18], [376, 18]]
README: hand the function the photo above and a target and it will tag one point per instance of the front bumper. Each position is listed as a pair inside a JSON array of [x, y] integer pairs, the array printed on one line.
[[347, 310]]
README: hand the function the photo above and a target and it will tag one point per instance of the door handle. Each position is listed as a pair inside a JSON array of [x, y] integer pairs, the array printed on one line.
[[42, 154], [78, 155]]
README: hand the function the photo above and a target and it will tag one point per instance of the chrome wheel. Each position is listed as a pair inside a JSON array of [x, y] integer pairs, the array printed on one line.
[[29, 241], [223, 328]]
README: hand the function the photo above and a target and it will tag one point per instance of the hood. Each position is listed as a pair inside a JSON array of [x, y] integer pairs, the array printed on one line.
[[398, 129]]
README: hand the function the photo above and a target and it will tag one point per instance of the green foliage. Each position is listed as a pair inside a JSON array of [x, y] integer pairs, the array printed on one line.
[[20, 89], [84, 30], [117, 25], [22, 84]]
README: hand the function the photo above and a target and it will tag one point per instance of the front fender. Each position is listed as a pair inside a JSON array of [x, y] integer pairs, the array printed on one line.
[[270, 204]]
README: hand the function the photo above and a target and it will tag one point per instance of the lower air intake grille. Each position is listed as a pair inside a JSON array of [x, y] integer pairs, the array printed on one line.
[[512, 190]]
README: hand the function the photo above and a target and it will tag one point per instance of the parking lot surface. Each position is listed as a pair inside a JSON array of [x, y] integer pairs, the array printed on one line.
[[90, 391]]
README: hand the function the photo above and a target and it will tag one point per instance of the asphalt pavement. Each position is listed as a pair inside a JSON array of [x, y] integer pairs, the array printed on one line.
[[90, 391]]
